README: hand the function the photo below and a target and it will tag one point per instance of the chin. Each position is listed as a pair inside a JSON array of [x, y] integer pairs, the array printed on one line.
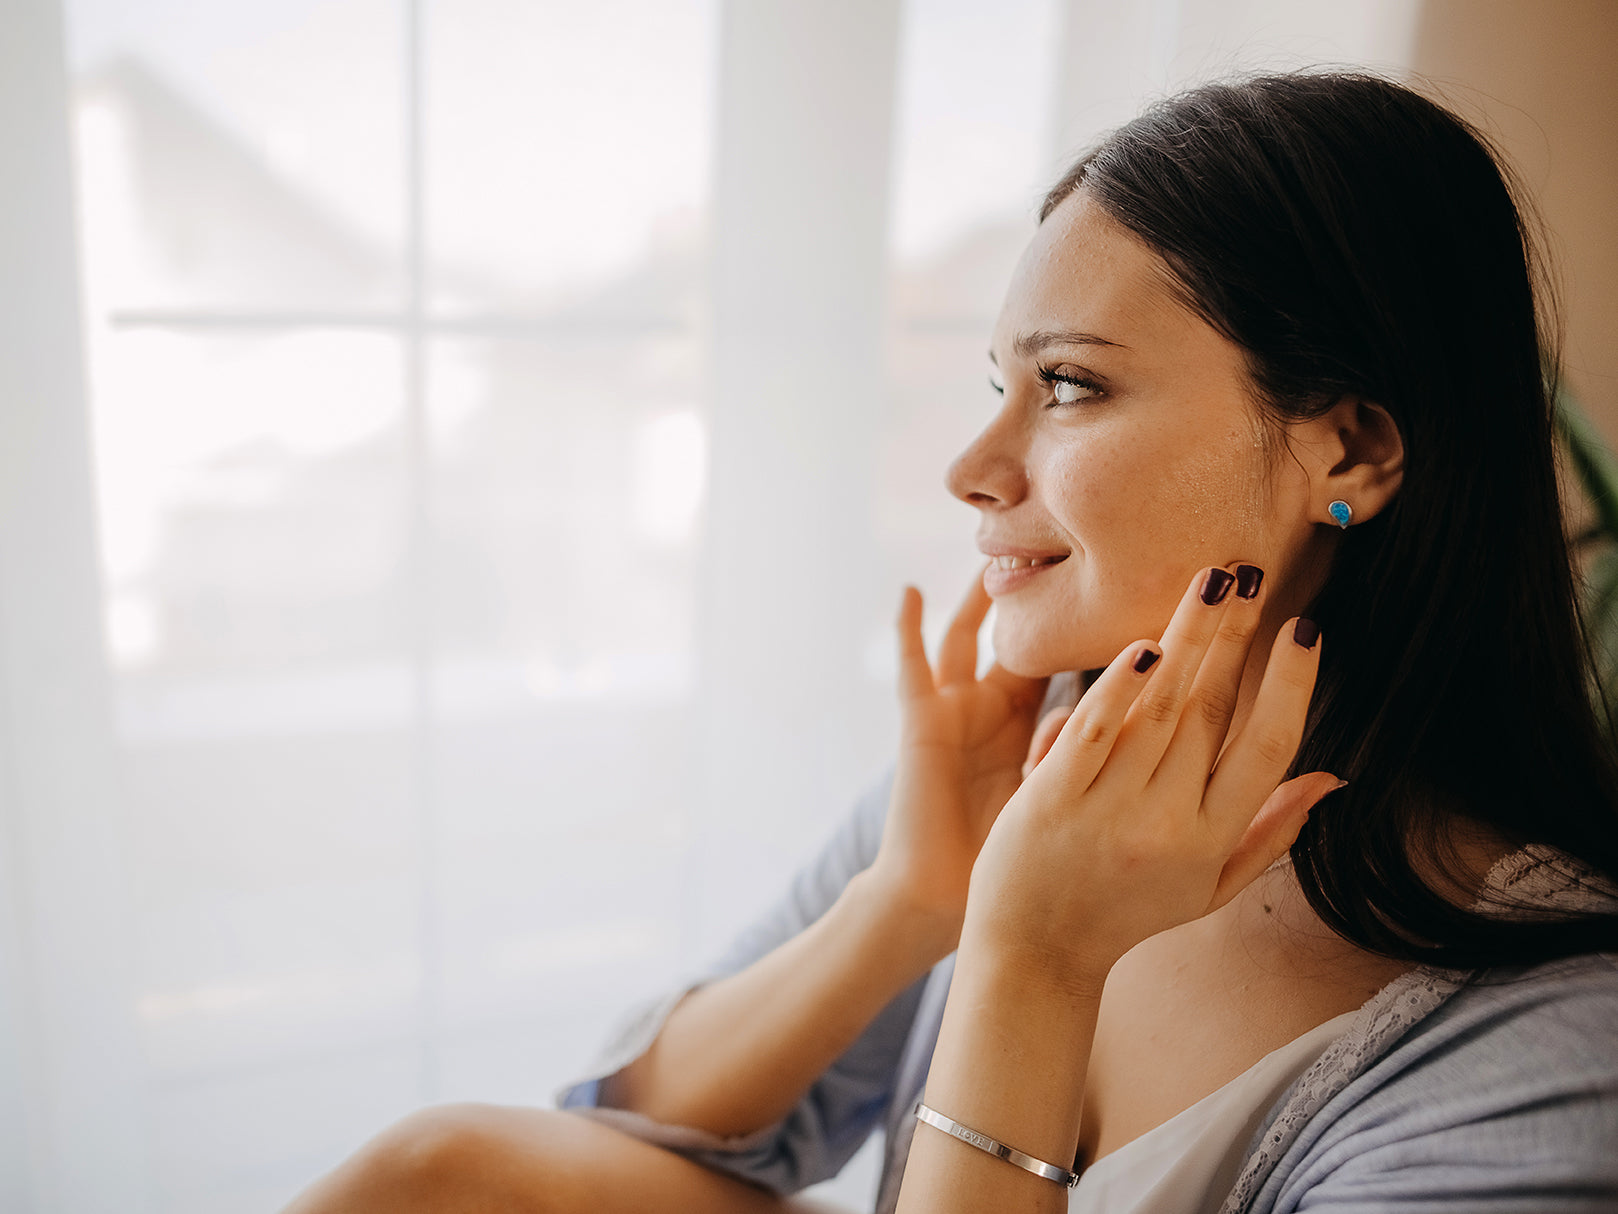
[[1030, 646], [1038, 657]]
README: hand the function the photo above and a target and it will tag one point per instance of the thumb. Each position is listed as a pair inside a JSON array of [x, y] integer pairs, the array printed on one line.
[[1272, 831]]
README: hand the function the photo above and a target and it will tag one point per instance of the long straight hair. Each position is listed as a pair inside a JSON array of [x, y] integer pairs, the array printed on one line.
[[1358, 240]]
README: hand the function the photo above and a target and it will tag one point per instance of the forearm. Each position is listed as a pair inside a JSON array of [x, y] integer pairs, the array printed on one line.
[[738, 1054], [1010, 1063]]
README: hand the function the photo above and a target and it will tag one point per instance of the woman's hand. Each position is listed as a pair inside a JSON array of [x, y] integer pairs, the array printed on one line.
[[963, 744], [1141, 817]]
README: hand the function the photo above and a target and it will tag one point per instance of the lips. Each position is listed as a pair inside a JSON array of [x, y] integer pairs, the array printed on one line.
[[1026, 562], [1013, 568]]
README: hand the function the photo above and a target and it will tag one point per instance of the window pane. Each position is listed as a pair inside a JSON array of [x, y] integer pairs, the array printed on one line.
[[252, 494], [253, 514], [567, 486], [568, 149], [973, 115], [567, 482], [241, 155]]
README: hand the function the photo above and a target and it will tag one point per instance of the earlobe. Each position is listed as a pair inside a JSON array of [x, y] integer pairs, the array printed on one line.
[[1364, 464]]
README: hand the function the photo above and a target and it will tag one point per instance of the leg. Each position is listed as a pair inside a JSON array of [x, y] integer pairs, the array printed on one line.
[[485, 1159]]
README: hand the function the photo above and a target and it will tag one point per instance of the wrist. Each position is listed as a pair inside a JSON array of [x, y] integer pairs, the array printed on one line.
[[921, 934], [1012, 1055], [1028, 967]]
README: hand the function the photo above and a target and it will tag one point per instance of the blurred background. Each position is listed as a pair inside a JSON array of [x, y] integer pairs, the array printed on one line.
[[458, 463]]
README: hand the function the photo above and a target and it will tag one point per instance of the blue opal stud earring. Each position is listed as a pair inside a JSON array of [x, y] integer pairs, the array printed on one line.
[[1341, 513]]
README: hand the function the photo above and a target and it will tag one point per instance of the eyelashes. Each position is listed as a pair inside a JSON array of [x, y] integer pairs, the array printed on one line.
[[1066, 385]]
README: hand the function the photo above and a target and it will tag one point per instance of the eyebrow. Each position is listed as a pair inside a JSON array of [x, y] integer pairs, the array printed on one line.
[[1029, 344]]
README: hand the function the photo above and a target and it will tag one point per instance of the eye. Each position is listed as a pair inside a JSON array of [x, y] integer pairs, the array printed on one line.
[[1068, 385], [996, 384]]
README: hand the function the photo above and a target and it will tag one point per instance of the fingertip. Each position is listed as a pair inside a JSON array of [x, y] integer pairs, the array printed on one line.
[[1249, 578], [909, 603], [1216, 584]]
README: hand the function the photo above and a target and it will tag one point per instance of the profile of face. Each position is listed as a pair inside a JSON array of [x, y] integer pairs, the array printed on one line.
[[1126, 454]]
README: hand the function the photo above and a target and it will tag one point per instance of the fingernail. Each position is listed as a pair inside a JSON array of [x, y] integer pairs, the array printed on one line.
[[1306, 632], [1216, 586], [1248, 579], [1336, 786], [1144, 662]]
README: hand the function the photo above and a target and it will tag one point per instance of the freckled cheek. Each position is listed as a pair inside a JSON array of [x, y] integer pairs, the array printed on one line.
[[1088, 494], [1182, 504], [1114, 504], [1217, 490]]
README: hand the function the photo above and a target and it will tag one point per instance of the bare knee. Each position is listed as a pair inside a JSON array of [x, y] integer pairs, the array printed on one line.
[[485, 1159], [453, 1159], [448, 1152]]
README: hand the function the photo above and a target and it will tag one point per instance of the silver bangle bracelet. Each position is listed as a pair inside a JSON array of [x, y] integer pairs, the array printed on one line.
[[999, 1150]]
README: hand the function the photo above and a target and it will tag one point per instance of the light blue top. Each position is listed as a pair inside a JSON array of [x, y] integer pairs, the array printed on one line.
[[1451, 1094]]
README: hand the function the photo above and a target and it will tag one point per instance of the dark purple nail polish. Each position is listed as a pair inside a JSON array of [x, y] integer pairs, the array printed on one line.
[[1144, 661], [1306, 632], [1248, 579], [1217, 586]]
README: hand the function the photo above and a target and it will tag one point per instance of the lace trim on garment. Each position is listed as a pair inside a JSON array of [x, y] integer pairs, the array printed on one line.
[[1534, 878]]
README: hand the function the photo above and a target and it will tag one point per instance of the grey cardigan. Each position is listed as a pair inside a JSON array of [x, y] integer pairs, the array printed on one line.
[[1451, 1092]]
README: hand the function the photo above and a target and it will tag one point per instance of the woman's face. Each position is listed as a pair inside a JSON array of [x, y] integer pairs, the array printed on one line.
[[1126, 454]]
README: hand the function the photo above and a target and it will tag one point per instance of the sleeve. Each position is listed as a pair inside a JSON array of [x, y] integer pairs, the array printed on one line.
[[837, 1114], [1504, 1102]]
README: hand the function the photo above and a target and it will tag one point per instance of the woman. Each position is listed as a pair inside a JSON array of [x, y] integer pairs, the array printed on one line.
[[1274, 457]]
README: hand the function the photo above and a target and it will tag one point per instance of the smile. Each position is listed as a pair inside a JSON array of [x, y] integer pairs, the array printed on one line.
[[1025, 562], [1007, 572]]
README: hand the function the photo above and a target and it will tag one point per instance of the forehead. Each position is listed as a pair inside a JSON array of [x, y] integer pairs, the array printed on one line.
[[1085, 271]]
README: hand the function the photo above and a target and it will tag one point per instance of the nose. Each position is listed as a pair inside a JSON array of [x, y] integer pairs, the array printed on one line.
[[992, 470]]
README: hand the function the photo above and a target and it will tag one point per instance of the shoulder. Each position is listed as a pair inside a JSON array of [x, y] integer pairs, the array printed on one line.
[[1504, 1096], [1548, 1023]]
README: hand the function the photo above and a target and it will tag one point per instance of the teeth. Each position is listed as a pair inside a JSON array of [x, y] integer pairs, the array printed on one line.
[[1024, 562]]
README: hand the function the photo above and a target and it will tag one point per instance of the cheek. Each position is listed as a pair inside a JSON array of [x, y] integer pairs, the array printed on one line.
[[1216, 492], [1154, 508]]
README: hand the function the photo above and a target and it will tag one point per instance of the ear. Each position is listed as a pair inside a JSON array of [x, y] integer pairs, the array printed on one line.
[[1352, 453]]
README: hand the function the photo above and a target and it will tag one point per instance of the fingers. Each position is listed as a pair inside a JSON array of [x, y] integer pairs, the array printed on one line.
[[958, 655], [1260, 754], [1085, 740], [1211, 702], [1040, 744], [915, 675], [1272, 831], [1157, 714]]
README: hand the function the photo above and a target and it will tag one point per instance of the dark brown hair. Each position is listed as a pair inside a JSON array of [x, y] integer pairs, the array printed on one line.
[[1356, 239]]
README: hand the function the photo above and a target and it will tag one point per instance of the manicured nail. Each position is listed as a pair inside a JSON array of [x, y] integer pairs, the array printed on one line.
[[1216, 586], [1248, 579], [1143, 663], [1306, 632]]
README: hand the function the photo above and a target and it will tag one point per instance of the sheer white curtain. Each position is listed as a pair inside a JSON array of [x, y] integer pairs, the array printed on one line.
[[449, 529]]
